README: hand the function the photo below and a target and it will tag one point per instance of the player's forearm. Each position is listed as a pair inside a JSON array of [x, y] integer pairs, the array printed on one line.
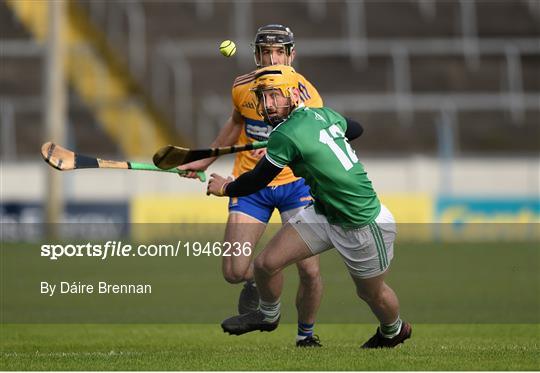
[[227, 136], [254, 180]]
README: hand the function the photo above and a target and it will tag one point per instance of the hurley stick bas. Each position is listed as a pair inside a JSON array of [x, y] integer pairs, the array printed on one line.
[[64, 160], [172, 156]]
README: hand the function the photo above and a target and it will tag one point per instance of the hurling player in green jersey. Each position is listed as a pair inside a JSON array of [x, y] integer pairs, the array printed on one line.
[[346, 213]]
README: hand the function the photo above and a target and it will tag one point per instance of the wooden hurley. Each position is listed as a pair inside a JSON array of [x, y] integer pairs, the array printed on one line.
[[65, 160]]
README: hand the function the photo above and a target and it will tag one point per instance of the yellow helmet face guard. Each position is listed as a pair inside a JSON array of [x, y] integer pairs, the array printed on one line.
[[262, 106]]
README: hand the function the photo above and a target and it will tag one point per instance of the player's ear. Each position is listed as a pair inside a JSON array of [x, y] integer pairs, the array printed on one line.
[[293, 54]]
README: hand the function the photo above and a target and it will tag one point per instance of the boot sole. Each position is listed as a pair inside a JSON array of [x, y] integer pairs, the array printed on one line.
[[240, 332]]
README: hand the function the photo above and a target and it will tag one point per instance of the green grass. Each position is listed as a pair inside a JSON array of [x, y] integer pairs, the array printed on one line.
[[474, 306], [459, 283], [205, 347]]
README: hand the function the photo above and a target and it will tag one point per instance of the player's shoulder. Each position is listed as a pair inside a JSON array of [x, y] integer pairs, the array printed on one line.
[[244, 79], [325, 110], [305, 116], [306, 112], [302, 113]]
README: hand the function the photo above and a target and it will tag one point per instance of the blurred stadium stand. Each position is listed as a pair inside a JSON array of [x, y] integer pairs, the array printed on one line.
[[96, 74], [448, 92], [405, 69], [21, 97]]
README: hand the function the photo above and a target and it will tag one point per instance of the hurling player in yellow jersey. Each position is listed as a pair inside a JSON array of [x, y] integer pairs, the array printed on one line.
[[248, 215]]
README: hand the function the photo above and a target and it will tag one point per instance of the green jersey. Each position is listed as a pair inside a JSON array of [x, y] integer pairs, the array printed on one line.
[[312, 143]]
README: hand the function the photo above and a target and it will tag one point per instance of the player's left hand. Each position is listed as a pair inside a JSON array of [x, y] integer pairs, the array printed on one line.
[[216, 185]]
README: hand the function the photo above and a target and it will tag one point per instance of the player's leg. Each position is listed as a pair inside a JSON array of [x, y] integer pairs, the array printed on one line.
[[285, 248], [379, 296], [385, 305], [246, 224], [308, 297], [308, 301], [241, 228], [367, 253], [294, 242]]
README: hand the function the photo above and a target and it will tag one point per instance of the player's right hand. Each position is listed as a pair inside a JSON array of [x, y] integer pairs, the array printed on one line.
[[200, 165], [258, 153], [217, 185]]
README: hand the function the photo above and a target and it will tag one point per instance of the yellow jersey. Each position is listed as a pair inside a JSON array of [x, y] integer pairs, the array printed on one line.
[[255, 129]]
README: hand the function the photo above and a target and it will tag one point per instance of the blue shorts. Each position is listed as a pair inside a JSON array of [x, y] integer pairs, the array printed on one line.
[[261, 204]]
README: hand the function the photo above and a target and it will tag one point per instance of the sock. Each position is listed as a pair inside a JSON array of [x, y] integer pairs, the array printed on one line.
[[304, 331], [271, 311], [391, 330]]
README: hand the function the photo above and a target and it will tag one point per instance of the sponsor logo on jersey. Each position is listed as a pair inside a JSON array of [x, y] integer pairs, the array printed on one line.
[[257, 129], [318, 117]]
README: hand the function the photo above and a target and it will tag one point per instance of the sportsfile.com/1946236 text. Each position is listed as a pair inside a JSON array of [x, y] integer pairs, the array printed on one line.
[[112, 249]]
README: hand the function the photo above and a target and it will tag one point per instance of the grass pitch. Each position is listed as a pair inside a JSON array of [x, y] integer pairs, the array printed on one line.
[[472, 307], [205, 347]]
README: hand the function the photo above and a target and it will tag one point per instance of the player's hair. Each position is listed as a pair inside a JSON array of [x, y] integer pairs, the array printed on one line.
[[271, 36], [278, 77]]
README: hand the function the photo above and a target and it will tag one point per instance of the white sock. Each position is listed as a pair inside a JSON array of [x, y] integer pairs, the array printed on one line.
[[391, 330], [270, 310]]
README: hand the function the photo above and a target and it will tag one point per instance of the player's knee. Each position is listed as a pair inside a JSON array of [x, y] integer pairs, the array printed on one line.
[[370, 295], [310, 274], [264, 265], [234, 276]]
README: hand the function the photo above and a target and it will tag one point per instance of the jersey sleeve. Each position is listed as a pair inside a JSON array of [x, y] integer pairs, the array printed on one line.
[[339, 120], [280, 150]]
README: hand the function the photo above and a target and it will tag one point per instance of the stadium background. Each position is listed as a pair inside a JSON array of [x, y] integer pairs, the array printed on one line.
[[448, 93]]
